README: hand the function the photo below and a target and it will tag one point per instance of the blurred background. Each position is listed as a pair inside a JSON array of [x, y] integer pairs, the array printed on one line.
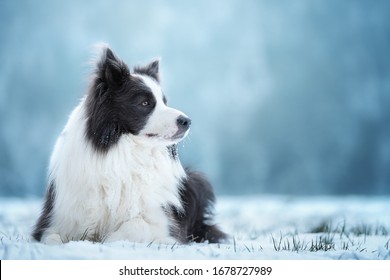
[[286, 97]]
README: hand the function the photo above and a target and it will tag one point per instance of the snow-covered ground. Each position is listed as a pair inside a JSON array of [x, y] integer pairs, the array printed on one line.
[[261, 227]]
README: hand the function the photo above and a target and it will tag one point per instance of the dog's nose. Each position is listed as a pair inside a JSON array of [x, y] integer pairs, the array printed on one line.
[[183, 122]]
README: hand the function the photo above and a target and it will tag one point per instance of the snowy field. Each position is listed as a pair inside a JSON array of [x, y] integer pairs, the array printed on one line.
[[263, 227]]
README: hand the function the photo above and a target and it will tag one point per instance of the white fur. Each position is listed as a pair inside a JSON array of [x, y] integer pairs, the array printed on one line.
[[163, 120], [119, 195]]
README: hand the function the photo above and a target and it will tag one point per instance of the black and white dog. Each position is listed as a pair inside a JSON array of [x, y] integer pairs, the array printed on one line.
[[114, 172]]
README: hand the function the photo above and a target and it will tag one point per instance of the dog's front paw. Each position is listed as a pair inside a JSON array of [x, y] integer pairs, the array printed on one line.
[[165, 241], [52, 239], [137, 230]]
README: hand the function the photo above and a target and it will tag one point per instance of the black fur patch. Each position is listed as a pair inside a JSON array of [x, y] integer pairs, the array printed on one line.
[[44, 220], [172, 150], [117, 103], [195, 223]]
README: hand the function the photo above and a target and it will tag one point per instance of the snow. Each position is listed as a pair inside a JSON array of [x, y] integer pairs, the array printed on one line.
[[261, 227]]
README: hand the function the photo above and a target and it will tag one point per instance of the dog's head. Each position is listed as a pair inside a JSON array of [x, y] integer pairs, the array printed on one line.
[[122, 102]]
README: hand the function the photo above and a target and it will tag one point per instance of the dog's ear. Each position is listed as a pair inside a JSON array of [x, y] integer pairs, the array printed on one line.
[[152, 70], [111, 70]]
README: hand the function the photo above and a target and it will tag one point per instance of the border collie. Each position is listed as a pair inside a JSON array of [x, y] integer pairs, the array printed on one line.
[[115, 174]]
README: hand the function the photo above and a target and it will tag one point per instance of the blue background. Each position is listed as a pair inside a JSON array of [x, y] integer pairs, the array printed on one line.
[[286, 97]]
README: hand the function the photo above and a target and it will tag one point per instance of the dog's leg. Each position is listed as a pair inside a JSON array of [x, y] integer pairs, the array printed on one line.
[[139, 230], [195, 223], [44, 220]]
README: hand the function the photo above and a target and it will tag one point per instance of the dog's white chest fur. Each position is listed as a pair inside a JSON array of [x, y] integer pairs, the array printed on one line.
[[119, 195]]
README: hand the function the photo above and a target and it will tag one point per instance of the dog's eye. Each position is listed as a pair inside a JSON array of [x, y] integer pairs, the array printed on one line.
[[145, 103]]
